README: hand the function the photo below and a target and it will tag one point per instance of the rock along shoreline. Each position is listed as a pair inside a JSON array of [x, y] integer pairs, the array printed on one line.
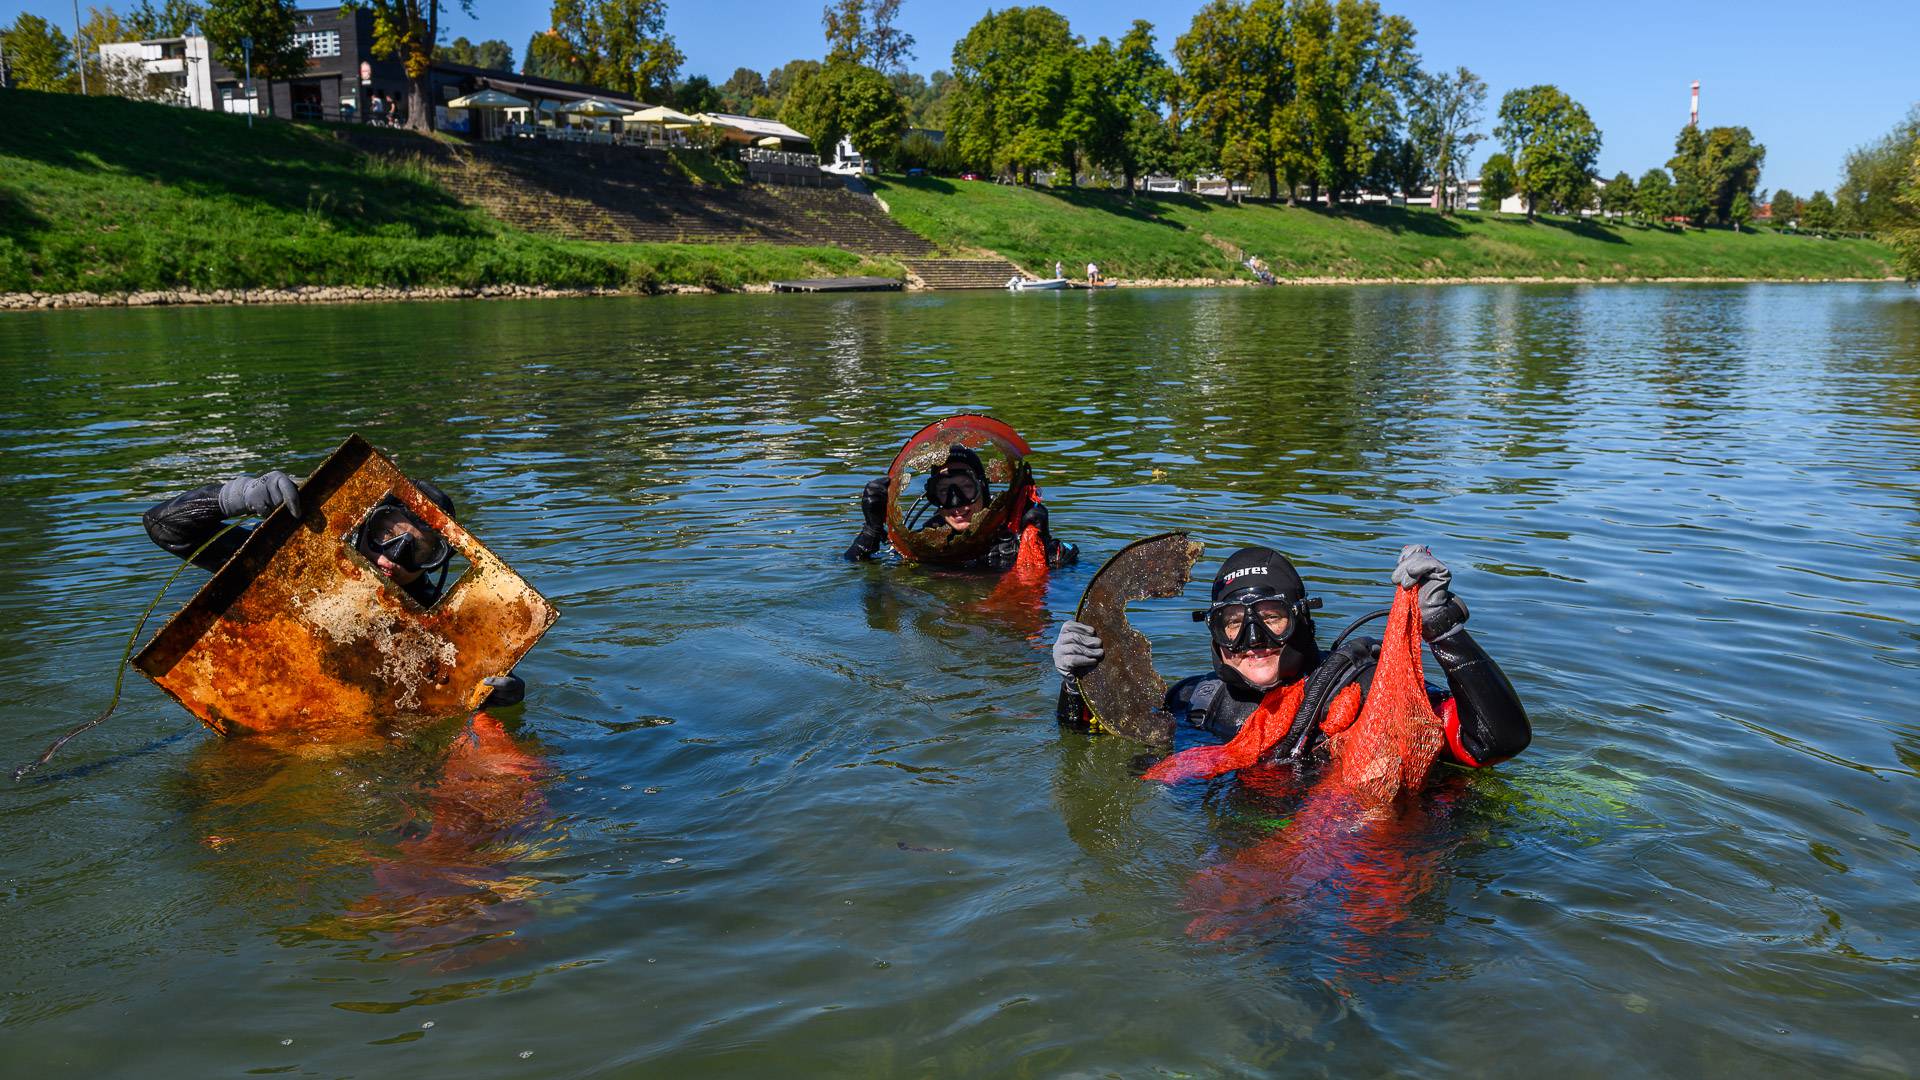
[[358, 294]]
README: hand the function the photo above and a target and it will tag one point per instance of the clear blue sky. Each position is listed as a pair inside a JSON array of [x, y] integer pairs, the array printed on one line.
[[1811, 79]]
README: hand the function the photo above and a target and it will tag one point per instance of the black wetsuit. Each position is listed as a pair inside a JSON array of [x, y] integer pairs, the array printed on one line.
[[1482, 716], [184, 522], [1006, 550]]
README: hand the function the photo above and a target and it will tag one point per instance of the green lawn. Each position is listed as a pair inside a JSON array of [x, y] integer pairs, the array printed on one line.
[[1192, 237], [108, 195]]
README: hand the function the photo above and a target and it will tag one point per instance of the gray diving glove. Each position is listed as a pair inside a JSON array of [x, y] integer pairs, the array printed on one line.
[[1077, 651], [256, 496], [1441, 612]]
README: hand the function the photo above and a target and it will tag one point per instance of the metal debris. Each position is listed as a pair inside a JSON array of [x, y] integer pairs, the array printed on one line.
[[297, 635], [1007, 471], [1124, 694]]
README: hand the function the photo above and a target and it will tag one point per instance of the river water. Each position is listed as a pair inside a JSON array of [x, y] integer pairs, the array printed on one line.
[[765, 812]]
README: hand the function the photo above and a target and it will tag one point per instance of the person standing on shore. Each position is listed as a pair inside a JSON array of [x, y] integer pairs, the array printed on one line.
[[1059, 270]]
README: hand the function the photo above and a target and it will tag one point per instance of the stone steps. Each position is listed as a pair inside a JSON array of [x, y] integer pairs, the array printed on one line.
[[960, 273]]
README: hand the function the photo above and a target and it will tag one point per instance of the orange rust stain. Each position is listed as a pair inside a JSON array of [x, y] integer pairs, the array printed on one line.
[[298, 636]]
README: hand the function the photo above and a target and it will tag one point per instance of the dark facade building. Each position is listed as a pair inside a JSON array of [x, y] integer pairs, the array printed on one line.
[[343, 76]]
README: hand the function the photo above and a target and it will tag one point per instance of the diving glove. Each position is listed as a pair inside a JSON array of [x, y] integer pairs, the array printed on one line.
[[257, 496], [1441, 612], [873, 512], [1077, 651]]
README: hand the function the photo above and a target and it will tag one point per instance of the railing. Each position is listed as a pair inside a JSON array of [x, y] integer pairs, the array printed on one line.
[[780, 157]]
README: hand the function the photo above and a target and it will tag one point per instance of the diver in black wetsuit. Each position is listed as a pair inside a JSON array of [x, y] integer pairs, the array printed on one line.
[[400, 546], [1261, 623], [958, 490]]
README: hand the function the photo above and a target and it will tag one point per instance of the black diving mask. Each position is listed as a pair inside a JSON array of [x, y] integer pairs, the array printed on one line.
[[1253, 622], [948, 490], [406, 541]]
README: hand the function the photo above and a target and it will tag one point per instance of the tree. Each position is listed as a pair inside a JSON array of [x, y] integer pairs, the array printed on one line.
[[1136, 80], [848, 100], [1906, 238], [551, 56], [270, 23], [1710, 168], [1741, 213], [176, 18], [38, 54], [742, 91], [1015, 72], [1818, 212], [490, 55], [1616, 198], [1498, 182], [622, 44], [1874, 176], [102, 27], [1554, 146], [1445, 110], [696, 95], [1369, 71], [862, 32], [1785, 209], [1653, 195], [406, 30], [1238, 92]]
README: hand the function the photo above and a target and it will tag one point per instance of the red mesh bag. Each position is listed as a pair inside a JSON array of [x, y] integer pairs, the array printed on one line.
[[1267, 726], [1391, 745]]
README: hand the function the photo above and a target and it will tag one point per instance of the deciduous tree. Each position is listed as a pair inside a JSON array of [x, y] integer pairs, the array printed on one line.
[[175, 18], [492, 55], [270, 23], [1873, 177], [1498, 182], [1617, 197], [1712, 167], [1653, 195], [623, 44], [1445, 111], [551, 56], [38, 54], [848, 100], [1906, 238], [1554, 145], [1818, 211], [1014, 69], [1784, 209]]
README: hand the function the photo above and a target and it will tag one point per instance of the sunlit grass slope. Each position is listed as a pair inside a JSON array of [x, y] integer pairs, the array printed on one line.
[[108, 195], [1191, 237]]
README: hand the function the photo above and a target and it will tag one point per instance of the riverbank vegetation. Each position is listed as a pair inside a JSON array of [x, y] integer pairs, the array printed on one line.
[[107, 195], [1186, 237]]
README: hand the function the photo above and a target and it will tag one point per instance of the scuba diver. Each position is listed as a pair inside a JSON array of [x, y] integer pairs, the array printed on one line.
[[1261, 624], [955, 492], [395, 542]]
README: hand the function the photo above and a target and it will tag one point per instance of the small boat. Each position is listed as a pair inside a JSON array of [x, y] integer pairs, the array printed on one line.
[[1039, 284]]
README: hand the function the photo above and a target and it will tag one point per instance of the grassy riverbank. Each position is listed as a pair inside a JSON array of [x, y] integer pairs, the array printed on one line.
[[106, 195], [1187, 237]]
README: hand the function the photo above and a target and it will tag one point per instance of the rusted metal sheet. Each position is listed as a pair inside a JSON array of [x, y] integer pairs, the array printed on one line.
[[1007, 471], [1124, 694], [298, 635]]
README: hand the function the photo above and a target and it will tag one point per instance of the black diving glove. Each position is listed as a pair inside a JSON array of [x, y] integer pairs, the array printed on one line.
[[873, 511], [508, 689], [1441, 612], [1036, 516], [257, 496]]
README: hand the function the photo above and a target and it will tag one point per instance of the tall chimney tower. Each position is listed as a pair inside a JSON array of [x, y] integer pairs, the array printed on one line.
[[1693, 120]]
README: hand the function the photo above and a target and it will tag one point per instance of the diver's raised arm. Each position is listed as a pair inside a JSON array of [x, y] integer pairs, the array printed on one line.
[[186, 521], [1488, 723]]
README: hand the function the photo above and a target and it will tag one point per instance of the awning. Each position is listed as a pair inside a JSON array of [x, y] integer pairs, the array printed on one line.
[[488, 99], [660, 114], [771, 142], [593, 107]]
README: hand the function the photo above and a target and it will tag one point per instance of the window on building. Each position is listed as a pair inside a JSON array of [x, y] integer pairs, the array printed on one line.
[[318, 42]]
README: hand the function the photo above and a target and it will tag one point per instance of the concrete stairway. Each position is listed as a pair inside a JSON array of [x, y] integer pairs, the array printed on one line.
[[627, 195], [960, 273]]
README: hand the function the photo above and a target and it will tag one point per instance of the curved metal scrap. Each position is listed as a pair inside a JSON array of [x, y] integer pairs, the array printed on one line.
[[1125, 695], [298, 635], [925, 452]]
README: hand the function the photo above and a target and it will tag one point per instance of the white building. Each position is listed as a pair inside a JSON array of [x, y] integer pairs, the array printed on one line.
[[180, 69]]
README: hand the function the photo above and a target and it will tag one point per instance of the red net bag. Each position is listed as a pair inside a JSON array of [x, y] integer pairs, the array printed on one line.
[[1392, 744], [1267, 726]]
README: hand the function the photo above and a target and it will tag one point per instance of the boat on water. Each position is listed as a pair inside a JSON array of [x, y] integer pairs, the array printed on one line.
[[1019, 284]]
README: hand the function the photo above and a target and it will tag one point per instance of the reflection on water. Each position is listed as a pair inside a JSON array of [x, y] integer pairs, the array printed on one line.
[[767, 811]]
